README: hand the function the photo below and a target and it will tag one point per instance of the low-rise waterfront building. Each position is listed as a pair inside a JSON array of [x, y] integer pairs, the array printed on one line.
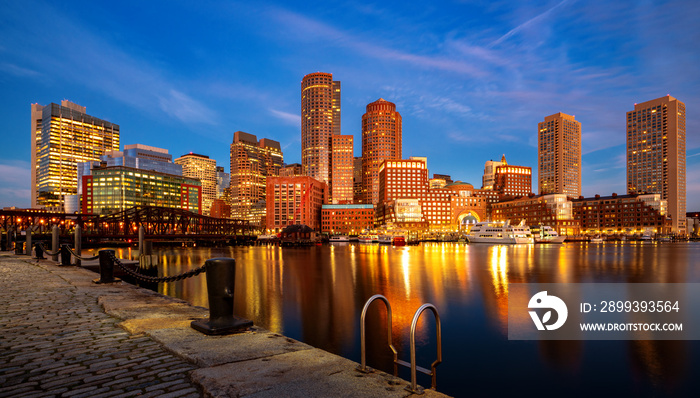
[[622, 214], [294, 200], [405, 197], [348, 219], [111, 189], [554, 210]]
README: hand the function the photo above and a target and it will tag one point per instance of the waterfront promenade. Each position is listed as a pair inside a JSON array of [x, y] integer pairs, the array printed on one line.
[[64, 336]]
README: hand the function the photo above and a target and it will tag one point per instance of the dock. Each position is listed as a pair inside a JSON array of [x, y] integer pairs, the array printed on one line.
[[63, 335]]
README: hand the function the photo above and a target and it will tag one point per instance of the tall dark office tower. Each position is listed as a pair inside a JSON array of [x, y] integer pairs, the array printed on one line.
[[381, 139], [656, 154], [320, 120], [63, 136], [559, 155]]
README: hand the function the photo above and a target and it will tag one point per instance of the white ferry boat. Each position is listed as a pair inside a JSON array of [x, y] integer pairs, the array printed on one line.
[[500, 232], [548, 235], [339, 238], [367, 238]]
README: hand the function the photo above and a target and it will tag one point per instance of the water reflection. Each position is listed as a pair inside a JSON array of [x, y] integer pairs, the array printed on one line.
[[316, 295]]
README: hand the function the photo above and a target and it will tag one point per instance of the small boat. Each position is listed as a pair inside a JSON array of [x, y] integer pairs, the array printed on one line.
[[500, 232], [548, 235], [398, 240], [385, 238], [596, 239], [339, 239]]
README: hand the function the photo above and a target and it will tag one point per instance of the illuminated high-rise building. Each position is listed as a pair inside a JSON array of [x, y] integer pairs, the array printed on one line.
[[252, 162], [357, 180], [559, 155], [204, 169], [342, 167], [320, 120], [656, 154], [381, 139], [63, 136]]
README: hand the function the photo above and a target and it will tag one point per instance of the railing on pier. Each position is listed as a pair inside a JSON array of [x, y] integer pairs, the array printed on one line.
[[414, 387]]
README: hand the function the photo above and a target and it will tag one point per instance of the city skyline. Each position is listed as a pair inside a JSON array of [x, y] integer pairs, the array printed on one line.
[[475, 79]]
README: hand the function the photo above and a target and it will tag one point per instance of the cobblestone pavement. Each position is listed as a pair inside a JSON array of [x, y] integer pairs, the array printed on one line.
[[56, 341]]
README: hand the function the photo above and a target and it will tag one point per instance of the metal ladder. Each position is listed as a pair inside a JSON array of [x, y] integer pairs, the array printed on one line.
[[413, 388]]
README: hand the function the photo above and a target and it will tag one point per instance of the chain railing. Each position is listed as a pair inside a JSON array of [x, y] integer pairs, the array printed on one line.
[[153, 279], [50, 253], [80, 257]]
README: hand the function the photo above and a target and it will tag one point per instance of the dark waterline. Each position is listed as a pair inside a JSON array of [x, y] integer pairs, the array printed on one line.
[[316, 295]]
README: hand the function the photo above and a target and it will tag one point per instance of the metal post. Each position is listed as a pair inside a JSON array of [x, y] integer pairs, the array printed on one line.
[[142, 236], [221, 281], [28, 248], [54, 242], [145, 255], [106, 267], [78, 244], [10, 237], [39, 252], [65, 255]]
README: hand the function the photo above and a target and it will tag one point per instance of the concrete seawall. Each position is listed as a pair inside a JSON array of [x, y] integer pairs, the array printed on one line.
[[257, 363]]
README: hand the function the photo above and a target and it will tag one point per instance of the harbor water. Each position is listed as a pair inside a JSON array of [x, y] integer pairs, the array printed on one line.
[[316, 295]]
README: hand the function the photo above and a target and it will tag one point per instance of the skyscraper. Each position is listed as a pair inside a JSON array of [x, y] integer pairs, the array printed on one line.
[[341, 169], [63, 136], [656, 154], [559, 155], [204, 169], [381, 139], [252, 162], [320, 120]]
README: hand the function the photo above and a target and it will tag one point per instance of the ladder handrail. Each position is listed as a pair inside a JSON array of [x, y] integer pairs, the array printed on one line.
[[363, 367], [413, 387]]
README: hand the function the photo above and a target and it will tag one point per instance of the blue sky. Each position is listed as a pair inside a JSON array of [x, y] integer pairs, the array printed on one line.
[[471, 79]]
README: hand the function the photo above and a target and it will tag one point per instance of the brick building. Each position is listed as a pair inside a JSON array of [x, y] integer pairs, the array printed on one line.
[[348, 219], [294, 200]]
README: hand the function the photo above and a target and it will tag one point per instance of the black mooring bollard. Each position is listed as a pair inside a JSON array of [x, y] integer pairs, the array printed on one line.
[[106, 268], [39, 252], [221, 281], [65, 255]]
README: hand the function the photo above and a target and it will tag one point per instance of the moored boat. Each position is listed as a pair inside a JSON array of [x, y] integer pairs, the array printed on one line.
[[547, 234], [500, 232], [339, 238]]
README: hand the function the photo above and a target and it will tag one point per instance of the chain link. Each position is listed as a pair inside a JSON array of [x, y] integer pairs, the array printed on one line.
[[41, 244], [154, 279], [81, 258]]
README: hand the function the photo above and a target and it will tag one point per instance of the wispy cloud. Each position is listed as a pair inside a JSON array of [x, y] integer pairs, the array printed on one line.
[[304, 28], [291, 119], [98, 63], [186, 109], [14, 184], [18, 70], [16, 173]]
